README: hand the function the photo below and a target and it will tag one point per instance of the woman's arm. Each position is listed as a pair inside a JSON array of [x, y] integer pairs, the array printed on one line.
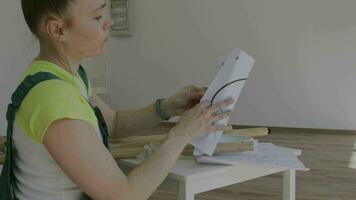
[[84, 159], [128, 122], [135, 121]]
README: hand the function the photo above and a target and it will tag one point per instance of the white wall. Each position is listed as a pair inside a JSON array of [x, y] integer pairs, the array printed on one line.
[[305, 50], [17, 47], [303, 77], [309, 49]]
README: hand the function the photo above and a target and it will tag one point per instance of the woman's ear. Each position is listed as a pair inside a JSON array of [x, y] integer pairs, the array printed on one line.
[[54, 27]]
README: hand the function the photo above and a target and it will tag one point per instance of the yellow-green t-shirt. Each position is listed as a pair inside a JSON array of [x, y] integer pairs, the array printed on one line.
[[52, 100]]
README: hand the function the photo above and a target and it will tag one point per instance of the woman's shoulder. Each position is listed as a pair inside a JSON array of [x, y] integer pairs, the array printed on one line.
[[55, 89], [50, 101], [37, 66]]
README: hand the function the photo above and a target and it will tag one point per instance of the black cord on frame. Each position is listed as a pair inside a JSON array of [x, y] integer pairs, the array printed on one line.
[[227, 84]]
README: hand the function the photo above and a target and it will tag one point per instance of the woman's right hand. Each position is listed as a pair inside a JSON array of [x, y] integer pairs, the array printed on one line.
[[200, 120]]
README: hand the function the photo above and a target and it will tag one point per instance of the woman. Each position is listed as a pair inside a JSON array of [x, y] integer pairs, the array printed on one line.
[[59, 150]]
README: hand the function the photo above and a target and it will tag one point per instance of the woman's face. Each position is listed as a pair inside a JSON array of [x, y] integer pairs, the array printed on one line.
[[89, 27]]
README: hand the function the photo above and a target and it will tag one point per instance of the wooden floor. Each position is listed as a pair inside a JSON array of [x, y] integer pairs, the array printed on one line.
[[331, 155]]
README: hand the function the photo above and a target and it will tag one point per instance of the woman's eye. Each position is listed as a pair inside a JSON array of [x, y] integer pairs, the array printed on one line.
[[98, 18]]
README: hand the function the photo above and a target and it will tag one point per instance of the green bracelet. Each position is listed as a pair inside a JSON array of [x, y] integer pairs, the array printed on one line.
[[160, 111]]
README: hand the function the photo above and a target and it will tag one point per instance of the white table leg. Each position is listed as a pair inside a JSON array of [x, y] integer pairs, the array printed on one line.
[[289, 184], [185, 192]]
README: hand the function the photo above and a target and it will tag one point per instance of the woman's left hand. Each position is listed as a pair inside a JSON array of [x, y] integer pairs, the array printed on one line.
[[182, 101]]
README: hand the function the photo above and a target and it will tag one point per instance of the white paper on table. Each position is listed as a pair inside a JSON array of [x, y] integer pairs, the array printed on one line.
[[236, 66], [264, 154]]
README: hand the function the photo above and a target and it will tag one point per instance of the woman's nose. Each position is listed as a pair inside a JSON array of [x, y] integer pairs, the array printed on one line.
[[108, 23], [111, 22]]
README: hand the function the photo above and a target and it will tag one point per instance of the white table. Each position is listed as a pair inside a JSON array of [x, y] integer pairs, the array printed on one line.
[[188, 178]]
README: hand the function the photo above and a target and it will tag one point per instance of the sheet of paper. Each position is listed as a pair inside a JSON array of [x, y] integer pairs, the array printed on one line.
[[228, 83], [265, 154]]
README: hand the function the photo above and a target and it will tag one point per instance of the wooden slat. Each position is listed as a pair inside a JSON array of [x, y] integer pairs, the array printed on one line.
[[2, 143], [2, 158], [253, 132], [128, 151]]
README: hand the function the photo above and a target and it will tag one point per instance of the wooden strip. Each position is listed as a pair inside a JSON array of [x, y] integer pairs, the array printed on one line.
[[132, 152], [2, 143], [2, 159], [140, 139], [126, 152], [253, 132]]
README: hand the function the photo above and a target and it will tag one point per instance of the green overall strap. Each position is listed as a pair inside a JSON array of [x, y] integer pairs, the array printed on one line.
[[84, 76], [99, 115], [7, 176]]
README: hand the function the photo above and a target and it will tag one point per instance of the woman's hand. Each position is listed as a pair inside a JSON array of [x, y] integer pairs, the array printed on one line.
[[184, 100], [200, 120]]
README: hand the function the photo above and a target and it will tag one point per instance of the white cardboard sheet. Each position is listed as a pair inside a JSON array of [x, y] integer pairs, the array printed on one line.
[[236, 66]]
